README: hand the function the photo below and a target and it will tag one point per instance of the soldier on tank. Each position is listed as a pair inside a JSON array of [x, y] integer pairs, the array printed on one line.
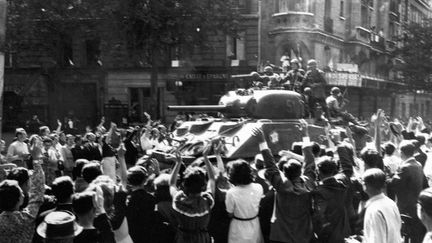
[[294, 77], [336, 103], [308, 103], [256, 82], [272, 79], [314, 79]]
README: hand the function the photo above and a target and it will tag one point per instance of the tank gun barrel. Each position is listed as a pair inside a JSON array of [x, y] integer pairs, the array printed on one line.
[[198, 108]]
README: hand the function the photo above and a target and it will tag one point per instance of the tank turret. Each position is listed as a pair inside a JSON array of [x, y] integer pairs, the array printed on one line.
[[255, 104]]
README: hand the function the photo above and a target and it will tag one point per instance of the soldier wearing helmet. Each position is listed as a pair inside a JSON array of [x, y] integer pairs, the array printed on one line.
[[335, 104], [256, 80], [272, 79], [294, 77], [314, 79]]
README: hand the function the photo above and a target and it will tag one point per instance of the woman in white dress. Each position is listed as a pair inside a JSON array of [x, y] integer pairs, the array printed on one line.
[[242, 203]]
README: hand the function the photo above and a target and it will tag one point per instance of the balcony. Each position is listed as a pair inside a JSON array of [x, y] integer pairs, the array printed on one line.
[[292, 19], [391, 45], [362, 34], [377, 41]]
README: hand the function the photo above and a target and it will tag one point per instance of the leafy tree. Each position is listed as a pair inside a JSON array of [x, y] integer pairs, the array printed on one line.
[[415, 52], [150, 27]]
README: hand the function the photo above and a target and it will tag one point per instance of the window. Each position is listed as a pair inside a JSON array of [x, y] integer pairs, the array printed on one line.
[[411, 111], [10, 59], [66, 51], [244, 6], [327, 8], [327, 55], [403, 110], [391, 30], [428, 110], [341, 11], [366, 13], [236, 48], [93, 52], [294, 5], [140, 102]]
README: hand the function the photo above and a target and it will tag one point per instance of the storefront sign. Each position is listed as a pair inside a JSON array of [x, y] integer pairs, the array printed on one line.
[[344, 79], [206, 76], [347, 67]]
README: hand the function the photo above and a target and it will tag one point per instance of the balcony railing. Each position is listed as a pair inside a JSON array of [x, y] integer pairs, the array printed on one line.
[[377, 41], [292, 19], [391, 45]]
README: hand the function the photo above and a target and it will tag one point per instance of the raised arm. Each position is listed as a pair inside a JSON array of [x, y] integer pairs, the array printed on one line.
[[59, 126], [211, 184], [380, 117], [331, 144], [272, 172], [174, 175], [309, 159], [101, 127], [218, 148], [123, 168]]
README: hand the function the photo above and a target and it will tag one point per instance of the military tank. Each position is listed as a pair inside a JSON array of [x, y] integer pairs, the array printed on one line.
[[277, 112]]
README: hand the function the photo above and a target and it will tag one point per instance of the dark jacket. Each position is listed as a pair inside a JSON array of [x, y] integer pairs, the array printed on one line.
[[141, 216], [78, 152], [407, 184], [331, 222], [293, 205], [316, 81], [92, 152], [131, 154]]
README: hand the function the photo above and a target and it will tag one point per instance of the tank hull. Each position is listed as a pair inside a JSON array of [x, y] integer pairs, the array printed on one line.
[[239, 143]]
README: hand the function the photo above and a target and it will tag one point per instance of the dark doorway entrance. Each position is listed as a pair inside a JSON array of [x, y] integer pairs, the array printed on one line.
[[79, 101]]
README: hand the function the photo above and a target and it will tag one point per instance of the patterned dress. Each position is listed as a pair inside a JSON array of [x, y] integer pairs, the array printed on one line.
[[19, 226], [193, 216]]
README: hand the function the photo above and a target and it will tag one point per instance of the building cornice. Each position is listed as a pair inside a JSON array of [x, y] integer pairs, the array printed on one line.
[[317, 32], [355, 42]]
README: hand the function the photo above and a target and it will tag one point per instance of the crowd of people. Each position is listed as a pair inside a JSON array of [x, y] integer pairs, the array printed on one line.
[[360, 185]]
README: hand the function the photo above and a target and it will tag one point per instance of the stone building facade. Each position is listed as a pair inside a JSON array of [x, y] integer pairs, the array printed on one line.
[[93, 74]]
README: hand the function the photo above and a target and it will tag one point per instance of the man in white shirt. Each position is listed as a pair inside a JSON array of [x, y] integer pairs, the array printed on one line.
[[391, 159], [382, 220], [18, 150]]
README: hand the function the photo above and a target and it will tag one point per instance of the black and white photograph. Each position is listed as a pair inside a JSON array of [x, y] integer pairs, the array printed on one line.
[[215, 121]]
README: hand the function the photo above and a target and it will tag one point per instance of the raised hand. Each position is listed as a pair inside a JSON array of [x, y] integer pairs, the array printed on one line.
[[36, 150], [208, 147], [178, 156], [258, 133], [218, 147], [121, 151]]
